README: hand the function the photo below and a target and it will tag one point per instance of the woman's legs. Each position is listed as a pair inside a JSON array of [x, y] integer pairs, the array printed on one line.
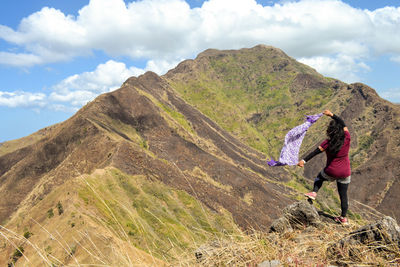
[[318, 182], [342, 189]]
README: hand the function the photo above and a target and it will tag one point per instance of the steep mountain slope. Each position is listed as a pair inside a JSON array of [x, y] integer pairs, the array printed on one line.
[[257, 94], [164, 163], [134, 129], [260, 93], [146, 132], [375, 125]]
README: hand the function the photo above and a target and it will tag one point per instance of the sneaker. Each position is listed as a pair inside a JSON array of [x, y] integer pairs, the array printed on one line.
[[341, 220], [311, 195]]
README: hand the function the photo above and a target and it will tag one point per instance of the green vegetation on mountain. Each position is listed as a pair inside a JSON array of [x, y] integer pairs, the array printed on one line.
[[250, 93], [159, 219]]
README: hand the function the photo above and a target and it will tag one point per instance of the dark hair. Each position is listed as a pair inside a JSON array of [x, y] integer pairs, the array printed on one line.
[[335, 133]]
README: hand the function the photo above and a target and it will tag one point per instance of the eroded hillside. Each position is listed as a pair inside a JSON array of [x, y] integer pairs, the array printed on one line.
[[258, 94], [164, 164]]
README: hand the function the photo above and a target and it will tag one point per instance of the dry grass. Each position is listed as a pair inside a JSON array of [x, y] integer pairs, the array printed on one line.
[[307, 247], [197, 172], [100, 235], [105, 241]]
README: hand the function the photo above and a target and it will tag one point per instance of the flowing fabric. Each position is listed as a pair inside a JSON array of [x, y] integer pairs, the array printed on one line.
[[293, 139]]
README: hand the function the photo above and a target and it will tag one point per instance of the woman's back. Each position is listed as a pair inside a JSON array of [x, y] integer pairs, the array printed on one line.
[[338, 165]]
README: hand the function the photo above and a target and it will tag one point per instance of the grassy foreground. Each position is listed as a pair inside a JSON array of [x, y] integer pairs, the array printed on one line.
[[120, 220], [305, 247]]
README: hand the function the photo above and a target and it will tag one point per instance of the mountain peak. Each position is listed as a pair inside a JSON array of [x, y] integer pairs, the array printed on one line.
[[261, 48]]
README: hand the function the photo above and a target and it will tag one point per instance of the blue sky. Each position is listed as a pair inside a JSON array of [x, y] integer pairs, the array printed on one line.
[[55, 56]]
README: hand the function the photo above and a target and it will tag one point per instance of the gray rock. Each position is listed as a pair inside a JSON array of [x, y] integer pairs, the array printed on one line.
[[382, 235], [281, 225], [296, 216], [301, 214], [385, 231]]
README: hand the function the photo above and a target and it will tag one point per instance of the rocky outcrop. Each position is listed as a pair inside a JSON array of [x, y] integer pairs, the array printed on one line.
[[313, 234], [384, 232], [296, 216], [381, 236]]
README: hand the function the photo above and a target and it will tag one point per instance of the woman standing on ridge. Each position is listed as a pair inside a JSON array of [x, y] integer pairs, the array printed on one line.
[[337, 164]]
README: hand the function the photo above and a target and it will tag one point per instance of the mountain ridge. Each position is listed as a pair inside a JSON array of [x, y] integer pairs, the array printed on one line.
[[365, 112], [203, 131]]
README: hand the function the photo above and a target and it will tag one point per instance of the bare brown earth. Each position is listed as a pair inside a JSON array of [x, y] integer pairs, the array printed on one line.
[[374, 122], [134, 130], [81, 144], [209, 148]]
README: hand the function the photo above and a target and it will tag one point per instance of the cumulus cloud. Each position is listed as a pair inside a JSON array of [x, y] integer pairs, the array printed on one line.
[[105, 76], [395, 59], [19, 59], [329, 35], [22, 99], [384, 35], [151, 28], [341, 66], [168, 30], [74, 91], [161, 66], [78, 89], [392, 94], [48, 35]]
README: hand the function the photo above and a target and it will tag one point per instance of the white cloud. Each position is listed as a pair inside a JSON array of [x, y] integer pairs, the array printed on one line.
[[395, 59], [75, 98], [342, 67], [384, 35], [78, 89], [109, 74], [392, 95], [150, 28], [169, 30], [48, 35], [19, 59], [329, 35], [22, 99], [161, 66]]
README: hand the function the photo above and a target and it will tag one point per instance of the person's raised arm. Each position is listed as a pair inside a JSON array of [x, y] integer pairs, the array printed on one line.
[[336, 118]]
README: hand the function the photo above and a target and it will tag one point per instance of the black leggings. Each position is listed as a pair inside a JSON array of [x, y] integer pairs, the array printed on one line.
[[342, 189]]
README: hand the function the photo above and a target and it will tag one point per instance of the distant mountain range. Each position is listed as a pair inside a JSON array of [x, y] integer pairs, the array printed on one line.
[[167, 162]]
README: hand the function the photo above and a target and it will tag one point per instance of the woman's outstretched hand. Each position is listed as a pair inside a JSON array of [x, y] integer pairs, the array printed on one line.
[[301, 163], [328, 113]]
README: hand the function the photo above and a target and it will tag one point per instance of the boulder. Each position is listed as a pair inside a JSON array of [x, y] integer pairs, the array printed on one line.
[[385, 231], [281, 225], [302, 214], [381, 236], [298, 215]]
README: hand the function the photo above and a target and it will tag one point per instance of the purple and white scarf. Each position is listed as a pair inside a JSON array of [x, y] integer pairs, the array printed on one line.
[[293, 139]]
